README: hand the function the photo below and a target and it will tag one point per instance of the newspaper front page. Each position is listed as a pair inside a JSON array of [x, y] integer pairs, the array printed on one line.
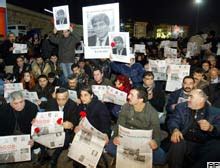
[[134, 150], [31, 96], [87, 145], [47, 129], [176, 73], [11, 87], [19, 48], [15, 148], [158, 67]]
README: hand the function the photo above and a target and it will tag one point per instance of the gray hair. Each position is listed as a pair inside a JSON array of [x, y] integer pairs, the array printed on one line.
[[201, 93], [100, 17], [15, 95]]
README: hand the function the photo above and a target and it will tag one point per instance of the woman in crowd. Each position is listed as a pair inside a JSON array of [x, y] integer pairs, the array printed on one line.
[[28, 81]]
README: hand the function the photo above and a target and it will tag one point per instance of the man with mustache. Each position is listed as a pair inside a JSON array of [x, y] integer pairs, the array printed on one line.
[[180, 95], [195, 130]]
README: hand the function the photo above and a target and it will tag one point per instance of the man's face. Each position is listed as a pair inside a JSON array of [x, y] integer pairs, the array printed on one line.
[[98, 76], [72, 83], [39, 61], [101, 29], [18, 104], [198, 77], [148, 81], [43, 82], [11, 38], [118, 44], [53, 59], [85, 97], [205, 66], [62, 98], [133, 97], [76, 70], [188, 85], [66, 33], [213, 74], [20, 62], [195, 100]]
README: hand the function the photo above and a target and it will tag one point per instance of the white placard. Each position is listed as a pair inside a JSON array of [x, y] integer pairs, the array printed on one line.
[[120, 46], [97, 22], [139, 48], [61, 17]]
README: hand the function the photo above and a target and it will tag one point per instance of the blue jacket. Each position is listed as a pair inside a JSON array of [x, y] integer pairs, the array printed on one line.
[[135, 72], [182, 118], [173, 99]]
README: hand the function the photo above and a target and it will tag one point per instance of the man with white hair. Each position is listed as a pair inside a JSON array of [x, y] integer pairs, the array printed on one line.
[[17, 117], [195, 130]]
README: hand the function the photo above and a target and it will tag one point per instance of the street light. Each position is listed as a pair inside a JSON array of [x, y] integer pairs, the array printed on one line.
[[198, 3]]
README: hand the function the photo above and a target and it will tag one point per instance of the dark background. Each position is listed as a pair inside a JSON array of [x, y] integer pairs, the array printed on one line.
[[181, 12]]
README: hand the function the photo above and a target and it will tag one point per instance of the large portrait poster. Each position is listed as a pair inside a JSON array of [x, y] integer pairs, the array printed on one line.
[[120, 49], [97, 22], [61, 17]]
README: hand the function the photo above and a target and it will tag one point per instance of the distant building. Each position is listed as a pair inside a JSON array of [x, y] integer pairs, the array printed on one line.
[[170, 31], [140, 29]]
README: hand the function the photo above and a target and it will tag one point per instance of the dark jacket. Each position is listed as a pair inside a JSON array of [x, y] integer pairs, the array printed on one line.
[[158, 100], [173, 99], [213, 93], [66, 47], [69, 109], [97, 114], [93, 39], [183, 116], [24, 118], [8, 56]]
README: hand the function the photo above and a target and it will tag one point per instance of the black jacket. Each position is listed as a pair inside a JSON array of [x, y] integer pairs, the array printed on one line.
[[97, 114], [24, 118], [69, 109]]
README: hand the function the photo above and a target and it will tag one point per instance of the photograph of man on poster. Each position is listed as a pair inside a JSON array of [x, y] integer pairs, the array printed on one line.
[[61, 17], [119, 48], [101, 27]]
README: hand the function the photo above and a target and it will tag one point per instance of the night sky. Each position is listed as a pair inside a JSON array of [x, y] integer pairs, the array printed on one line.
[[181, 12]]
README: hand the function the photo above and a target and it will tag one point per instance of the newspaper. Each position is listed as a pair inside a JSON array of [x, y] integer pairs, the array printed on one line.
[[19, 48], [109, 94], [87, 145], [134, 150], [158, 67], [115, 96], [176, 73], [170, 52], [176, 61], [15, 148], [139, 48], [99, 91], [31, 96], [47, 129], [54, 140], [11, 87]]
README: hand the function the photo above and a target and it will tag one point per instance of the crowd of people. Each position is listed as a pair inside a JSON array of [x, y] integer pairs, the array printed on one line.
[[189, 136]]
